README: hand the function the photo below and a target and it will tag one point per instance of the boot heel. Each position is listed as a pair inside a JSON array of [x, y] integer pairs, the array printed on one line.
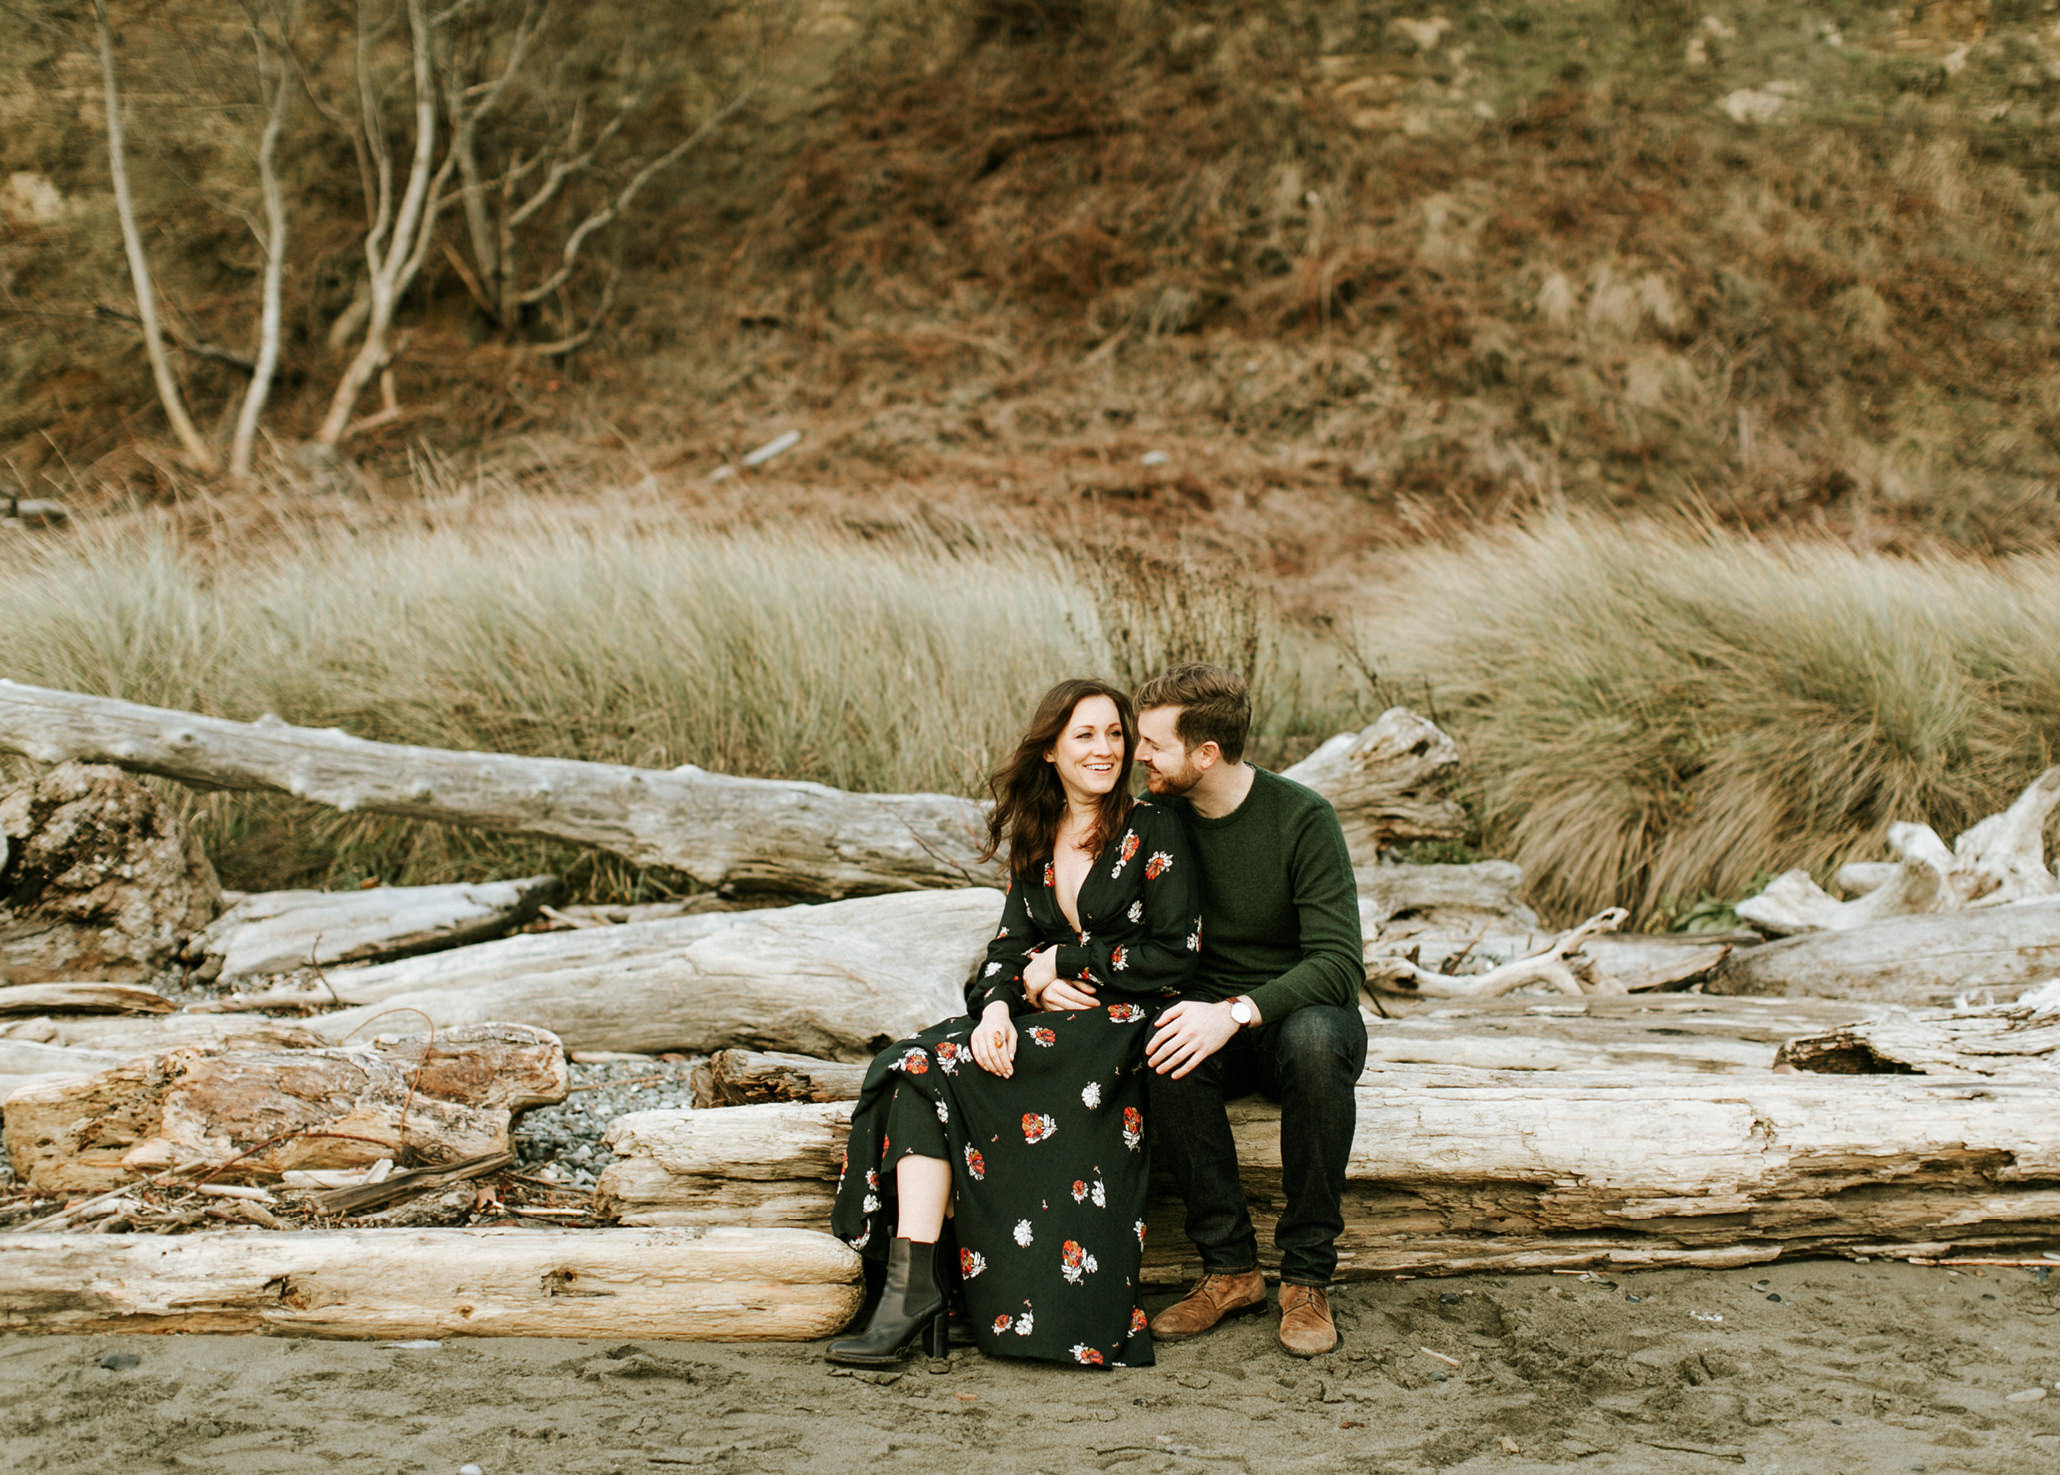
[[937, 1340]]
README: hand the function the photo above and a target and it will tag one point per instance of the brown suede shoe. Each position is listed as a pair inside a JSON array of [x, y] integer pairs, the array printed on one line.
[[1306, 1329], [1213, 1298]]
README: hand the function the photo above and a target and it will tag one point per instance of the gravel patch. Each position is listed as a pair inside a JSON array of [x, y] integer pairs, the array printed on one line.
[[563, 1142]]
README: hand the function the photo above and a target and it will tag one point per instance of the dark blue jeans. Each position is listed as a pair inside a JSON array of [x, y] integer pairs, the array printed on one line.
[[1309, 1062]]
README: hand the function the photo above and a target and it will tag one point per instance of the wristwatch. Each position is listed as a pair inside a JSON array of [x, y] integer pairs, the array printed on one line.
[[1241, 1012]]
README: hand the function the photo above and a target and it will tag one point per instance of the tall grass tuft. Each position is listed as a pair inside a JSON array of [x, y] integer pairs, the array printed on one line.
[[896, 663], [1655, 715]]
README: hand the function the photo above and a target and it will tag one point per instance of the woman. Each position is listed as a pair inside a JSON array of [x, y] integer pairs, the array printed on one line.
[[1031, 1134]]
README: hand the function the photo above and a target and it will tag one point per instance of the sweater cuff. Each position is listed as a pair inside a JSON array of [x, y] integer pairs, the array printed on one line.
[[1272, 1001]]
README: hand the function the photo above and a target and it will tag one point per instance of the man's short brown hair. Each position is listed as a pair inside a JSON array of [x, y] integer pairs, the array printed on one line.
[[1215, 706]]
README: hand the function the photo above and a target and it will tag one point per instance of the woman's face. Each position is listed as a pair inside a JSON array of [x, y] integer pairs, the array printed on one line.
[[1089, 752]]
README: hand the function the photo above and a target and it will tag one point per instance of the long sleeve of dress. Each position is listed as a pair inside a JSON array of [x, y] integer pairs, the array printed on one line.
[[1001, 973], [1165, 887]]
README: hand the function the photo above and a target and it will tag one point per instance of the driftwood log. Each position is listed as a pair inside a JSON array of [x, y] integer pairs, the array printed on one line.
[[740, 1077], [2019, 1041], [1929, 960], [23, 1062], [2001, 859], [840, 980], [321, 1108], [155, 1033], [694, 1285], [98, 879], [1386, 782], [279, 931], [1457, 901], [1512, 1170], [742, 834], [1559, 965], [83, 998]]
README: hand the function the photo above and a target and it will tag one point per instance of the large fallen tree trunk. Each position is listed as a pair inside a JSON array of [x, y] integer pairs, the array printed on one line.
[[257, 1113], [715, 1285], [740, 1077], [2020, 1041], [744, 834], [1510, 1170], [279, 931], [1927, 960], [23, 1062], [841, 980]]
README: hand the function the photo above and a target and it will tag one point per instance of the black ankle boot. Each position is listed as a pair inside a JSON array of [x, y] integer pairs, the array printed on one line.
[[911, 1305]]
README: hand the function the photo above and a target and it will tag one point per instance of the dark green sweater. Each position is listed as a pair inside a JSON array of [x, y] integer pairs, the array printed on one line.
[[1280, 906]]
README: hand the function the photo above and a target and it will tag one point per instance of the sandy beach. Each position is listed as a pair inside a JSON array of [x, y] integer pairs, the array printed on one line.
[[1809, 1367]]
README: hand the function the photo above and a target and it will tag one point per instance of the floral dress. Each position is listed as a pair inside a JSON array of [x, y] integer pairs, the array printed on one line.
[[1048, 1165]]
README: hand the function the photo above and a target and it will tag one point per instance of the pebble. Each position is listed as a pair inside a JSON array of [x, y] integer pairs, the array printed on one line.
[[470, 1470], [2027, 1395], [1773, 1295], [120, 1362], [1633, 1297]]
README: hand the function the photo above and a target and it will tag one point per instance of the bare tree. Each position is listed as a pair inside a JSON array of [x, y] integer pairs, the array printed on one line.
[[275, 78], [168, 392]]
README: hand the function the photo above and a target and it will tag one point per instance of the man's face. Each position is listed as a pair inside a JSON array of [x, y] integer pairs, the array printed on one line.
[[1168, 767]]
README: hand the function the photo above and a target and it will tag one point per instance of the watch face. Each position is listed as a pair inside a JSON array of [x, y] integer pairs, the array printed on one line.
[[1241, 1012]]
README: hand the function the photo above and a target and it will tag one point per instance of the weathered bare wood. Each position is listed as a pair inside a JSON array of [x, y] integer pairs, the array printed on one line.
[[742, 833], [98, 879], [1384, 782], [1559, 965], [1514, 1170], [23, 1062], [321, 1108], [840, 980], [279, 931], [362, 1198], [83, 998], [1451, 900], [1929, 960], [2020, 1041], [154, 1034], [687, 1284], [739, 1077]]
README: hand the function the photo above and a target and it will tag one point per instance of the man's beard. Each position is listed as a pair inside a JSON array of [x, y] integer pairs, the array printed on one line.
[[1171, 783]]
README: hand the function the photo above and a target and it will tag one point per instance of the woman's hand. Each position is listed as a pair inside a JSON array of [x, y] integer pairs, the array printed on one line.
[[994, 1040], [1039, 974], [1052, 993]]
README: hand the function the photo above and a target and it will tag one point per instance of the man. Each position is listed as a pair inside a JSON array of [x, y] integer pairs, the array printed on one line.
[[1274, 1008]]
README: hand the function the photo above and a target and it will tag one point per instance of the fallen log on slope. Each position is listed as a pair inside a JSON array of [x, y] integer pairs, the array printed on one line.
[[83, 998], [1925, 961], [742, 833], [320, 1108], [717, 1285], [1511, 1171], [279, 931], [841, 980]]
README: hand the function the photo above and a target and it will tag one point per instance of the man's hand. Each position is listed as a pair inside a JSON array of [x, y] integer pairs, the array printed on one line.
[[994, 1040], [1189, 1033]]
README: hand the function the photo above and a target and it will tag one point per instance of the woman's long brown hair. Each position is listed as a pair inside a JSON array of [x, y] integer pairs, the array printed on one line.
[[1029, 800]]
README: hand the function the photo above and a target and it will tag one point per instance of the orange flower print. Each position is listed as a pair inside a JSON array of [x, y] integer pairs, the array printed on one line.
[[971, 1263], [1133, 1128], [1075, 1263], [1042, 1036], [1037, 1127], [1120, 959], [1128, 849], [1079, 1190], [1086, 1355], [915, 1062], [1051, 875], [1001, 934], [1137, 1320], [949, 1056], [976, 1164], [1158, 865], [1125, 1013], [1001, 1323]]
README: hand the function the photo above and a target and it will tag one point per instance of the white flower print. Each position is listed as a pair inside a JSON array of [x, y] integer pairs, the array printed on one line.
[[971, 1263], [1037, 1126], [1138, 1230], [1099, 1194], [1091, 1095], [1136, 912], [1133, 1128], [1075, 1263], [943, 1113], [1001, 934], [1083, 1353], [1024, 1322], [949, 1054], [1120, 959], [990, 970], [1124, 852], [864, 1238], [871, 1204], [1023, 1234]]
